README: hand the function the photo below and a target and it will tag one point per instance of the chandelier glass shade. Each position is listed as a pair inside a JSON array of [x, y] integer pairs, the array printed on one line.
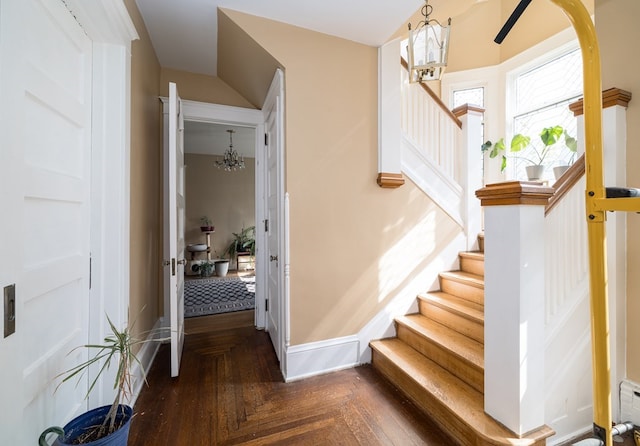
[[231, 160], [428, 48]]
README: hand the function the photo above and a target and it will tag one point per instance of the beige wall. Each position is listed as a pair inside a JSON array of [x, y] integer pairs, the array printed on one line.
[[243, 62], [227, 198], [616, 24], [353, 244], [146, 186], [202, 88]]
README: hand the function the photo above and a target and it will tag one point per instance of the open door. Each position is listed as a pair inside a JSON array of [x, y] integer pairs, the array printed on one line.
[[275, 321], [174, 226]]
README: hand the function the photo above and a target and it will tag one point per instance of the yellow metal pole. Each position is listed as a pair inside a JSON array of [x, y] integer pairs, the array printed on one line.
[[585, 30]]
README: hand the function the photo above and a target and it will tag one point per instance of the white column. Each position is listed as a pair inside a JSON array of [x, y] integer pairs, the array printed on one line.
[[389, 112], [471, 168], [514, 304]]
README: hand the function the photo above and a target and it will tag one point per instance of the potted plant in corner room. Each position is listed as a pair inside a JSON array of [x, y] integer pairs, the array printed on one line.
[[243, 242], [106, 425], [206, 225], [205, 268]]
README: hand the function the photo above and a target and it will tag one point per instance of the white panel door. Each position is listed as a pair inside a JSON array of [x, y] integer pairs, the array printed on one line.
[[274, 307], [174, 226], [275, 317], [45, 159]]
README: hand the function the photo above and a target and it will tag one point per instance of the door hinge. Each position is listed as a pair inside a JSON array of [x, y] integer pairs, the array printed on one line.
[[266, 305], [266, 225], [266, 139], [90, 269], [173, 267]]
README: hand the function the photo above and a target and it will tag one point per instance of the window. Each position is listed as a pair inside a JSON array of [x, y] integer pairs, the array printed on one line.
[[471, 96], [541, 99]]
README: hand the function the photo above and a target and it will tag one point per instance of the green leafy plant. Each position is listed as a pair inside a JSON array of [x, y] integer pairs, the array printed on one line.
[[205, 221], [117, 348], [205, 268], [549, 137], [244, 241], [518, 142]]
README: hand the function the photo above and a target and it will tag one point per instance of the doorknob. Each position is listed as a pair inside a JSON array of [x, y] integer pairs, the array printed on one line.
[[273, 258], [182, 262]]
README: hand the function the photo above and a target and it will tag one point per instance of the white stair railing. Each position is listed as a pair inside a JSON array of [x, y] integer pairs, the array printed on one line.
[[549, 290], [441, 153], [432, 130]]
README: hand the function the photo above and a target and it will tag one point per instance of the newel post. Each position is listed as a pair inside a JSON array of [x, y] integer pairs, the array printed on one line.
[[514, 303], [470, 169]]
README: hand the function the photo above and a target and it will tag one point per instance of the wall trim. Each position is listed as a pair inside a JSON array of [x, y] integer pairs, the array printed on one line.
[[315, 358], [146, 355], [390, 180]]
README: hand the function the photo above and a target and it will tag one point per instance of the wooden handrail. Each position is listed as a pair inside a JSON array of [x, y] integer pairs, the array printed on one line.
[[610, 97], [565, 183], [434, 96]]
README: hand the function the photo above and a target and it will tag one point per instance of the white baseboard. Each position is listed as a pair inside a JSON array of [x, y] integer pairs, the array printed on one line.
[[316, 358], [146, 355]]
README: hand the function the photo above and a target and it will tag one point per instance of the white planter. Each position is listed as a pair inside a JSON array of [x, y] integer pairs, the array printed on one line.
[[559, 170], [222, 267], [534, 172]]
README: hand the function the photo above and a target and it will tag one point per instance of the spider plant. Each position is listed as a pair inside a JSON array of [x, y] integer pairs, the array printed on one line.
[[116, 349]]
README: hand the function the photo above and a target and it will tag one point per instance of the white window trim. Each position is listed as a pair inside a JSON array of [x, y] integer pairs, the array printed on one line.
[[498, 81]]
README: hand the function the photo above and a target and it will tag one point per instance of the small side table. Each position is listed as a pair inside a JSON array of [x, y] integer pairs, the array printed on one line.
[[244, 258]]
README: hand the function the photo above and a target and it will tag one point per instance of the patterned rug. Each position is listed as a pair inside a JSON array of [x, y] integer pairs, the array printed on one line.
[[223, 295]]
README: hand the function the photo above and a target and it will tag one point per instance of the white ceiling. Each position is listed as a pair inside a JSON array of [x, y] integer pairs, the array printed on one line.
[[205, 138], [184, 32]]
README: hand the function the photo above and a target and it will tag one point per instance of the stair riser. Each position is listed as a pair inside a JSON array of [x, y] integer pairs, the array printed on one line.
[[472, 265], [462, 290], [457, 322], [463, 369], [426, 402]]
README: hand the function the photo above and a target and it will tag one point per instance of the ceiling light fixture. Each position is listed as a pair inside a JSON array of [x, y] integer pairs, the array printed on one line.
[[428, 47], [231, 160]]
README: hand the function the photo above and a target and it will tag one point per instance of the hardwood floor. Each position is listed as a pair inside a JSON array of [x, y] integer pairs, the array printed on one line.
[[230, 392]]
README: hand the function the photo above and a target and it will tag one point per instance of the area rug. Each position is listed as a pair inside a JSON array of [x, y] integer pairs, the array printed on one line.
[[219, 295]]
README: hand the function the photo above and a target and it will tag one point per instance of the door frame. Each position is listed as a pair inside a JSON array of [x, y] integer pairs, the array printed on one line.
[[111, 30], [238, 116]]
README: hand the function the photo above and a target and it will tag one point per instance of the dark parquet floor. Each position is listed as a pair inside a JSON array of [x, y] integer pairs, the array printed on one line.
[[230, 392]]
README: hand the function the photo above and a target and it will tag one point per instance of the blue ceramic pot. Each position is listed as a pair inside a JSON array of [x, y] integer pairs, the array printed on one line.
[[79, 425]]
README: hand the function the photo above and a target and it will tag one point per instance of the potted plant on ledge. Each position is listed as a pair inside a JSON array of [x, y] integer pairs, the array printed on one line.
[[106, 425], [549, 136]]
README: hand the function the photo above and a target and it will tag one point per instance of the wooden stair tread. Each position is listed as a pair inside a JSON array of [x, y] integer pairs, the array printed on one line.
[[458, 399], [454, 304], [476, 255], [456, 343], [473, 280]]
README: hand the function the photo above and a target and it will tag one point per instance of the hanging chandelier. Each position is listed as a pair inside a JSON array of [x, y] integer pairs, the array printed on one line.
[[428, 47], [231, 160]]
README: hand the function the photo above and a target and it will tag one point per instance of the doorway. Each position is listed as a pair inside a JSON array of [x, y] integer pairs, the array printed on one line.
[[271, 246], [206, 139]]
